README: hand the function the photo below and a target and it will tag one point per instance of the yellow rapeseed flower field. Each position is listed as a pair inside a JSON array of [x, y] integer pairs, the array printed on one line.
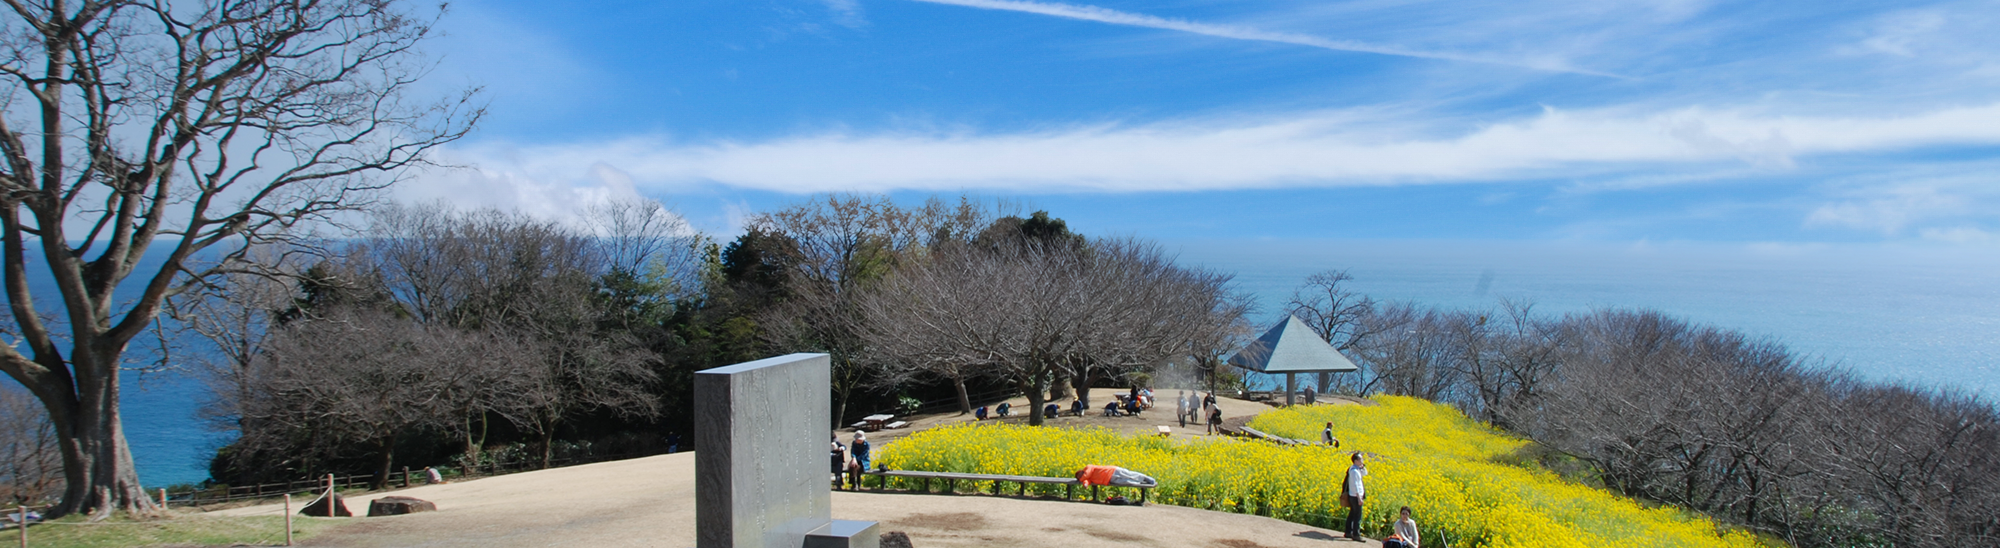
[[1422, 455]]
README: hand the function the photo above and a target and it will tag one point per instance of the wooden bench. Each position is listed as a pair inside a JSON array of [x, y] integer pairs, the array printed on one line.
[[1280, 440], [951, 480]]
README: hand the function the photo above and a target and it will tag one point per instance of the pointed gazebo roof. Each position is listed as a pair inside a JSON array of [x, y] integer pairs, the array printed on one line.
[[1291, 347]]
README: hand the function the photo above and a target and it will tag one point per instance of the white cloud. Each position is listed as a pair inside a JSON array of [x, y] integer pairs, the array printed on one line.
[[1935, 207], [846, 13], [1899, 33], [1959, 235], [509, 182], [1240, 32], [1328, 148], [1888, 214]]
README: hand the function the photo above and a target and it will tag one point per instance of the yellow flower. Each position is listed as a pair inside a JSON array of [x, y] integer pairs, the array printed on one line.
[[1422, 455]]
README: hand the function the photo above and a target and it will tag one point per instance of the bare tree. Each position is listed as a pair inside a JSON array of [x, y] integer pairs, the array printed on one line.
[[1029, 313], [30, 465], [200, 123], [1141, 310], [992, 311], [842, 243], [532, 279], [235, 311], [637, 235], [1335, 312], [348, 380]]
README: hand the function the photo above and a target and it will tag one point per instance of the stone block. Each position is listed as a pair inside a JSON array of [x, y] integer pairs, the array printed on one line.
[[841, 533], [396, 505], [761, 433], [318, 508]]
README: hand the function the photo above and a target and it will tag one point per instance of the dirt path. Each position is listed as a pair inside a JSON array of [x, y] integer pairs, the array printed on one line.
[[649, 502]]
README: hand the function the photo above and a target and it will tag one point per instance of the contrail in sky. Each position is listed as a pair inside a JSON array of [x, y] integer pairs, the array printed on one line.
[[1115, 17]]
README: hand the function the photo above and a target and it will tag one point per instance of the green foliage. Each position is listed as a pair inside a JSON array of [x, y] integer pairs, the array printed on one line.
[[122, 532]]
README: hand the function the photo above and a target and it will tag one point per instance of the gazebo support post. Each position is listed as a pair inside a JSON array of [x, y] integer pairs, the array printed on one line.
[[1291, 385]]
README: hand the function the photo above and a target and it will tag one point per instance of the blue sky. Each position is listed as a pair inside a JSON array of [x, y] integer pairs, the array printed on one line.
[[1672, 120]]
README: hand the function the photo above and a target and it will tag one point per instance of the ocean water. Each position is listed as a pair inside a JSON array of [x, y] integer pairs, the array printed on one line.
[[1929, 316]]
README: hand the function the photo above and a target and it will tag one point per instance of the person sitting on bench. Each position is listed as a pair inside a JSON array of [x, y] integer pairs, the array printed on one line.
[[840, 462], [1005, 409]]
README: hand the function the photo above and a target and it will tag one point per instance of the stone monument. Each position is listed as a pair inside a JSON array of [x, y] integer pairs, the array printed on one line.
[[763, 476]]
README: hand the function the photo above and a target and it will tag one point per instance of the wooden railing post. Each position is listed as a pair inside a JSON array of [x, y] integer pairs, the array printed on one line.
[[288, 519], [24, 526]]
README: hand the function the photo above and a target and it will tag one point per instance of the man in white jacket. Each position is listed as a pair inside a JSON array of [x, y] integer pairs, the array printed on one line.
[[1353, 494]]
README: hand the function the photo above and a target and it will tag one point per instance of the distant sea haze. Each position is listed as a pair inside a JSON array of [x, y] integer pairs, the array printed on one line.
[[1928, 316]]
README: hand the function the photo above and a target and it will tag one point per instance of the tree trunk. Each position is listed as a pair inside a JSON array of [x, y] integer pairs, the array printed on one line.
[[387, 447], [1082, 385], [471, 457], [1035, 402], [97, 463], [548, 445], [1059, 389], [964, 400], [839, 408]]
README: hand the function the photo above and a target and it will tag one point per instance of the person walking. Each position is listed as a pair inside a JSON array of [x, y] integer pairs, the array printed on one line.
[[1181, 408], [1326, 436], [1353, 494], [1214, 419]]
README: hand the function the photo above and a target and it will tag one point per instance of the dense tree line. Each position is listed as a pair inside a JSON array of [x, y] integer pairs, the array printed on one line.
[[437, 336], [1032, 311], [443, 322], [1700, 417]]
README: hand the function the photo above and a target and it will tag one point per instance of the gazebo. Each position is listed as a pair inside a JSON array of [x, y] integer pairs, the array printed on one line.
[[1291, 348]]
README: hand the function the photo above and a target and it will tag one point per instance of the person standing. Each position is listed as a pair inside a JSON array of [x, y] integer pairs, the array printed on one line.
[[1326, 436], [1214, 419], [1353, 494]]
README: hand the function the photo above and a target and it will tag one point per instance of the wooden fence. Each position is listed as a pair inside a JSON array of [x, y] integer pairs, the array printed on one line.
[[401, 478]]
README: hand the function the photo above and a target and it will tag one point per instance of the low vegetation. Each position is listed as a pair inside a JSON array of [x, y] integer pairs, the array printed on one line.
[[1424, 455], [119, 532]]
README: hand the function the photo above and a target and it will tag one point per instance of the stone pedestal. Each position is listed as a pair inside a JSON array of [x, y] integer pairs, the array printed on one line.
[[761, 437], [841, 533]]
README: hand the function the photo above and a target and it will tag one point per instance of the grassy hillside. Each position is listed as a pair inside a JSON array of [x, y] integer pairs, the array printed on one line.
[[1424, 455]]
